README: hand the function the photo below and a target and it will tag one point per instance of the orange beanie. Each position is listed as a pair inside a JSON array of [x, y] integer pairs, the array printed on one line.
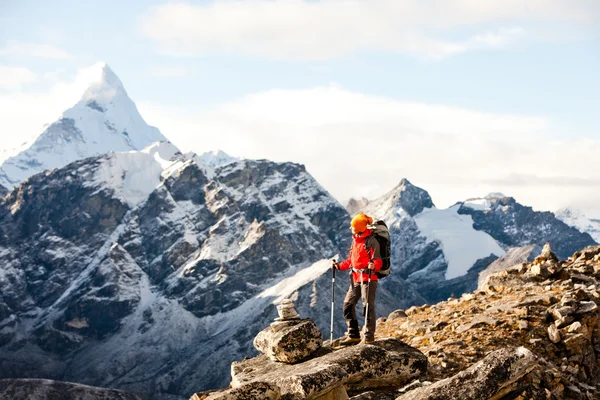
[[360, 222]]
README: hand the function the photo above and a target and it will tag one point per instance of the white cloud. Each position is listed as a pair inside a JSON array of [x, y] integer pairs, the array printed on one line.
[[37, 50], [13, 77], [24, 113], [360, 145], [326, 29]]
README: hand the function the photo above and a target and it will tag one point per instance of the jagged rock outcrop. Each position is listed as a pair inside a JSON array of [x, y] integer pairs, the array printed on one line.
[[3, 191], [547, 306], [43, 389]]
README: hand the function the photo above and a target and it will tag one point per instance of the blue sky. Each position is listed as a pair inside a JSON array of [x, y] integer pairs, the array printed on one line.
[[193, 67]]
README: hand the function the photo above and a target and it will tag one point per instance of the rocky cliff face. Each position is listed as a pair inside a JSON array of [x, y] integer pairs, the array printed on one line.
[[3, 191]]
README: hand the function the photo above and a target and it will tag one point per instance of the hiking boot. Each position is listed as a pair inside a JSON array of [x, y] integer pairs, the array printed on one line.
[[367, 341], [349, 341]]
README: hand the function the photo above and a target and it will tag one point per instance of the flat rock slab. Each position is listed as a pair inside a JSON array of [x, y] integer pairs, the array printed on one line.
[[386, 363], [496, 375], [41, 389]]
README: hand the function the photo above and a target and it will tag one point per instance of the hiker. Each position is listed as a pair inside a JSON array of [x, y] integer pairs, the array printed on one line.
[[365, 261]]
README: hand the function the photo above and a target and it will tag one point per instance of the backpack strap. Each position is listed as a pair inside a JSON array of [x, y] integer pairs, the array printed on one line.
[[369, 244]]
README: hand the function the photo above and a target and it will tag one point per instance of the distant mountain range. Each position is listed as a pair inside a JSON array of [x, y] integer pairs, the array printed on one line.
[[441, 252]]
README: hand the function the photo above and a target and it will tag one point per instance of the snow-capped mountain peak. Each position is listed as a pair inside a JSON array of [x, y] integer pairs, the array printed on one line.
[[104, 85], [211, 160], [577, 219], [355, 206], [404, 198], [104, 120], [216, 158]]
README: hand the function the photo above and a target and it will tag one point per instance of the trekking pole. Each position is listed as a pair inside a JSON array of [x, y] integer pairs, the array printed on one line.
[[332, 302], [367, 304]]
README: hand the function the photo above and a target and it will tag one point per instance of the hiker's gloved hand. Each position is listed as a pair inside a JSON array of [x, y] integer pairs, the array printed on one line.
[[335, 265], [371, 266]]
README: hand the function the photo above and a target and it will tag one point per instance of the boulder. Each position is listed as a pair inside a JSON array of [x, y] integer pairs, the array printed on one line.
[[398, 314], [289, 341], [496, 375], [386, 363]]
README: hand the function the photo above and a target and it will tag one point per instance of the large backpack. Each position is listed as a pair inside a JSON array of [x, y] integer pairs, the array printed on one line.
[[382, 234]]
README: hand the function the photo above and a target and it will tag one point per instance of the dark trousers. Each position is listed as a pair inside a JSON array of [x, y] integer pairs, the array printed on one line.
[[355, 293]]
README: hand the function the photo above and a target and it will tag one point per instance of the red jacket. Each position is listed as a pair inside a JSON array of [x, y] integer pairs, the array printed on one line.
[[362, 252]]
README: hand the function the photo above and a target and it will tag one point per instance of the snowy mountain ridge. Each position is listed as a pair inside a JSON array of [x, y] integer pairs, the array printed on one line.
[[211, 160], [104, 120], [577, 219]]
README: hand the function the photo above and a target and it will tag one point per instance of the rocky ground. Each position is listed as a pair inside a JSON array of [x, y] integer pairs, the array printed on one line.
[[531, 331], [548, 307]]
